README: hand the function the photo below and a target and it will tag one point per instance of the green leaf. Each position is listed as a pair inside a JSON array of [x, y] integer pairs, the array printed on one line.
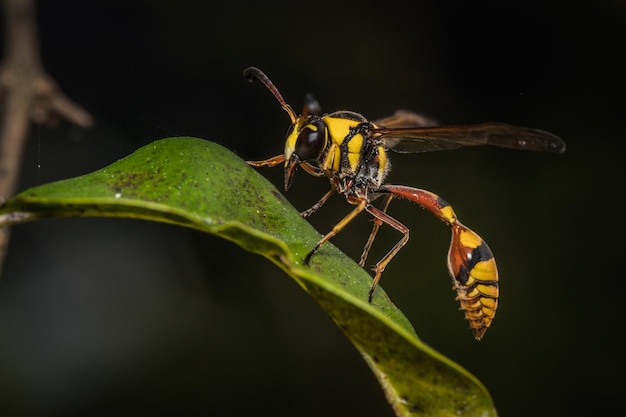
[[198, 184]]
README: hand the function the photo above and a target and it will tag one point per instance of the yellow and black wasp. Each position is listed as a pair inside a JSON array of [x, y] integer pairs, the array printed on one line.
[[352, 153]]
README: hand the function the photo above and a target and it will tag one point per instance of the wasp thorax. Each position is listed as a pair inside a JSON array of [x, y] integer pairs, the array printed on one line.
[[311, 140]]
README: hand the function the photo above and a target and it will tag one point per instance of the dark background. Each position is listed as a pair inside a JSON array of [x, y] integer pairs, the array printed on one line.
[[119, 317]]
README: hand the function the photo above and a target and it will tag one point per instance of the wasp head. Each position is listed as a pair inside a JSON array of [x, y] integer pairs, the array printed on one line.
[[306, 139], [307, 136]]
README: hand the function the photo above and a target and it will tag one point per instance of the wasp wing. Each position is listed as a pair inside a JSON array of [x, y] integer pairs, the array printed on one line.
[[405, 118], [432, 138]]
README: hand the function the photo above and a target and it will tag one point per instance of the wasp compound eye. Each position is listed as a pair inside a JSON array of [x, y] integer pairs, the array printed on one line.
[[311, 140]]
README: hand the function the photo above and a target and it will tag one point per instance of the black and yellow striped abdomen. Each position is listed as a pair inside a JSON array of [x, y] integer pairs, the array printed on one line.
[[475, 277], [470, 261]]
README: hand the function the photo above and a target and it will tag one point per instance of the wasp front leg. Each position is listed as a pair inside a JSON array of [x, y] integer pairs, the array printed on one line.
[[381, 217], [279, 159], [470, 261], [270, 162], [320, 203]]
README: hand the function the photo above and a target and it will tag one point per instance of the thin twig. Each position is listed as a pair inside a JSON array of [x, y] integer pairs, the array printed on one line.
[[27, 94]]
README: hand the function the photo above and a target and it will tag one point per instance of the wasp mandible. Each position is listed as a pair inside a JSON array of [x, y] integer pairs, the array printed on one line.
[[351, 152]]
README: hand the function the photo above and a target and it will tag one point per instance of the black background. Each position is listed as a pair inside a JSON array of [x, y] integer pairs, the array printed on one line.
[[120, 317]]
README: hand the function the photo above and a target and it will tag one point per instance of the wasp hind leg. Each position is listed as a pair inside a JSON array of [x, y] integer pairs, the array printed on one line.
[[381, 217], [377, 223]]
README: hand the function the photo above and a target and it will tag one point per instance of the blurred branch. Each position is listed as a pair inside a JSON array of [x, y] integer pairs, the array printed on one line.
[[27, 94]]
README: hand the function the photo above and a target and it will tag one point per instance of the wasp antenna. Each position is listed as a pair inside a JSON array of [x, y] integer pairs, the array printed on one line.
[[253, 73]]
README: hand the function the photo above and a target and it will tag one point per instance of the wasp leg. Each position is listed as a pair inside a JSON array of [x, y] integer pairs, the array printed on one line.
[[312, 169], [470, 261], [377, 224], [361, 205], [381, 217], [330, 158], [320, 203], [270, 162]]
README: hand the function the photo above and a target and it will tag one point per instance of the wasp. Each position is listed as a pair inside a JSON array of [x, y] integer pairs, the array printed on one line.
[[352, 152]]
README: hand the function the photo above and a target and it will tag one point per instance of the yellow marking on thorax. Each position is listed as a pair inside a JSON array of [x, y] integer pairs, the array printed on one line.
[[338, 129], [354, 151], [382, 162]]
